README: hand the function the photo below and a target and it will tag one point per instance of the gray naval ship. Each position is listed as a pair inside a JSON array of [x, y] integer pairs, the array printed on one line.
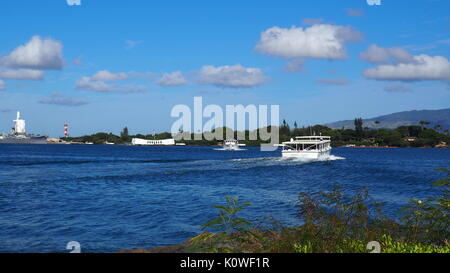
[[18, 134]]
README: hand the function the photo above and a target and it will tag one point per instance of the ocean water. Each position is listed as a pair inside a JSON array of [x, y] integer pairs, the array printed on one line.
[[110, 198]]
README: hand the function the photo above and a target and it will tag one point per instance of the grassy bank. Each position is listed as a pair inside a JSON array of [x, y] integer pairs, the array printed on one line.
[[332, 223]]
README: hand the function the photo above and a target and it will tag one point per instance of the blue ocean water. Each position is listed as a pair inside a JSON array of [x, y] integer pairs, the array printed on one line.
[[110, 198]]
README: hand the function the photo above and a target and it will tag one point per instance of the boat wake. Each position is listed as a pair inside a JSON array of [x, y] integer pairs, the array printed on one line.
[[310, 160], [267, 161], [334, 157], [225, 149]]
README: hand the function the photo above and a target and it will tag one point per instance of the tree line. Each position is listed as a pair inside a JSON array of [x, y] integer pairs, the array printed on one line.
[[404, 136]]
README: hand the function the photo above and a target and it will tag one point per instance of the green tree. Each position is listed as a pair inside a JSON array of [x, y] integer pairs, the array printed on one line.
[[284, 129], [124, 134], [423, 123], [227, 221], [438, 127], [359, 128]]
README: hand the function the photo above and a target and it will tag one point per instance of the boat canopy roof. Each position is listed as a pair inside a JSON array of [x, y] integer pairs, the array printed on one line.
[[313, 137], [308, 140]]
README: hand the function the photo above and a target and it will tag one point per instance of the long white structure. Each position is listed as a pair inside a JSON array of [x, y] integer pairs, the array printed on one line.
[[307, 147], [146, 142]]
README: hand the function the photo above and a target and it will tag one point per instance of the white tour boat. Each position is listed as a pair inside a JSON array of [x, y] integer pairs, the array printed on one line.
[[307, 147]]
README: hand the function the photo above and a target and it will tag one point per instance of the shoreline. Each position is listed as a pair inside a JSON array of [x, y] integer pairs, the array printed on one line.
[[199, 145]]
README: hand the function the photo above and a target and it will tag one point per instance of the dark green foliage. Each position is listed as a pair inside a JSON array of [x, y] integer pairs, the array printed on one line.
[[429, 221], [227, 221], [333, 222], [124, 138], [361, 135], [358, 128], [124, 135], [404, 136]]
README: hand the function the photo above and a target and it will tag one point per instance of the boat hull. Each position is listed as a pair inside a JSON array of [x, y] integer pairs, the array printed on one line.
[[306, 154], [27, 140], [231, 148]]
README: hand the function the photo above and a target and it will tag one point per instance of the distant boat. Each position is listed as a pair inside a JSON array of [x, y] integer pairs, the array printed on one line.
[[18, 134], [232, 145], [307, 147]]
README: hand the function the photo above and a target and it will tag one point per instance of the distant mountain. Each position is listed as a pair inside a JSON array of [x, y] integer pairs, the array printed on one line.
[[392, 121]]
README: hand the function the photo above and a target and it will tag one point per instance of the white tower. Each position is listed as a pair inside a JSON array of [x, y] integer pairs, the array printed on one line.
[[19, 125]]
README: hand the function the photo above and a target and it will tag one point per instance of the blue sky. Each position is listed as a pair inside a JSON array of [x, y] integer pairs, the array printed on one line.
[[373, 60]]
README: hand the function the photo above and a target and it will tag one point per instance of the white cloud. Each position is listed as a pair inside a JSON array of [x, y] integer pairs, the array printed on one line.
[[38, 53], [172, 79], [355, 12], [397, 88], [295, 66], [422, 68], [5, 110], [2, 85], [312, 21], [130, 44], [235, 76], [318, 41], [143, 75], [60, 99], [378, 55], [340, 81], [105, 75], [21, 74], [78, 60], [87, 83]]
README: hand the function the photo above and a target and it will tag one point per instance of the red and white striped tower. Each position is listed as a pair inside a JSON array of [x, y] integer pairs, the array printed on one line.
[[66, 130]]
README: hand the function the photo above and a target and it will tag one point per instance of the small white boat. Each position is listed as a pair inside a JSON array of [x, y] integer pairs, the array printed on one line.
[[307, 147], [232, 145]]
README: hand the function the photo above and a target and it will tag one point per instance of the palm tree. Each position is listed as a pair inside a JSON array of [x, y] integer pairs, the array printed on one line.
[[423, 123], [377, 124]]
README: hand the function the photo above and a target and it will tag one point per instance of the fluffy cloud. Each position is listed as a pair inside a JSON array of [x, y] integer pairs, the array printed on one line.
[[235, 76], [130, 44], [2, 85], [378, 55], [87, 83], [60, 99], [318, 41], [21, 74], [397, 88], [5, 110], [312, 21], [423, 67], [295, 66], [355, 12], [172, 79], [105, 75], [98, 83], [340, 81], [78, 60], [38, 53]]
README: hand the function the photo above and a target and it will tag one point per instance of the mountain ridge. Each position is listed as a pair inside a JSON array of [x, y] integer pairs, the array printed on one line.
[[405, 118]]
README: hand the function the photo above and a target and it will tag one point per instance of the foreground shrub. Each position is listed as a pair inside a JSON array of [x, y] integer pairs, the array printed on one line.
[[334, 223]]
